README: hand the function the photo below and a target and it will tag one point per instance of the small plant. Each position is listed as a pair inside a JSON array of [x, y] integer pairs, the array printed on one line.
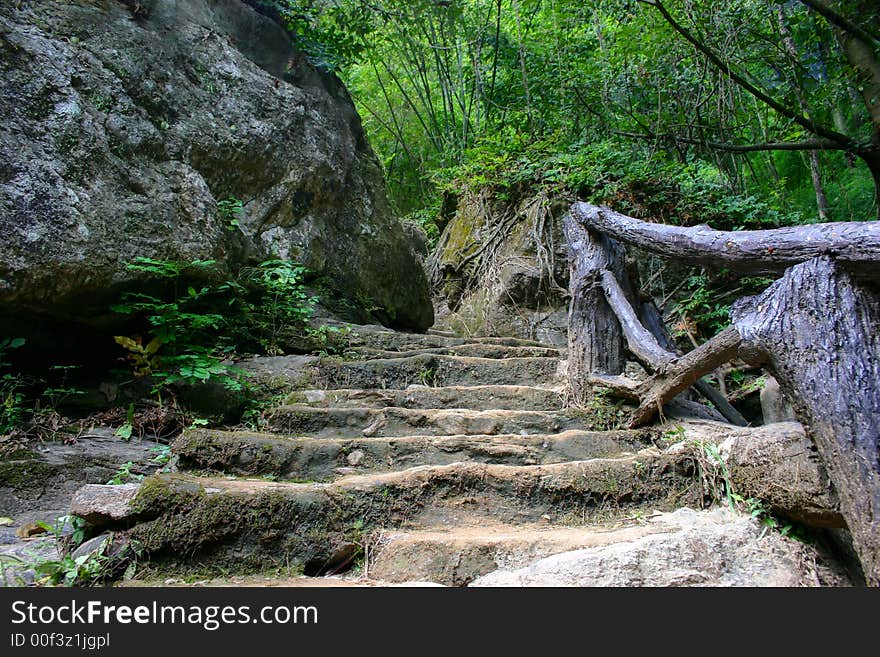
[[427, 376], [602, 413], [755, 507], [675, 435], [127, 429], [85, 570], [12, 410], [187, 345], [69, 529], [161, 456], [276, 300], [231, 210], [124, 475]]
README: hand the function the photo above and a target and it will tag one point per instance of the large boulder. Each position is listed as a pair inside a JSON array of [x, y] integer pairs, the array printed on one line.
[[123, 124]]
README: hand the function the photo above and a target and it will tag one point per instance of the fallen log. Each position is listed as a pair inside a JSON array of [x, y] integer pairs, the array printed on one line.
[[855, 244]]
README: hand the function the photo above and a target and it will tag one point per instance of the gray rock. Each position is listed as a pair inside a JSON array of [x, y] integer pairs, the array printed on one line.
[[119, 134], [91, 546], [101, 505], [17, 560], [500, 268], [774, 406], [38, 483], [691, 548]]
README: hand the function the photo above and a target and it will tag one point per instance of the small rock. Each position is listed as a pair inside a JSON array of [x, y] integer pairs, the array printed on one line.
[[99, 504], [93, 545], [774, 406], [355, 458], [29, 529], [373, 429]]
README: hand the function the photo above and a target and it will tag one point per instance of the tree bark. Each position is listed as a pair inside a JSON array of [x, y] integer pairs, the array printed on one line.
[[855, 244], [595, 339], [820, 330]]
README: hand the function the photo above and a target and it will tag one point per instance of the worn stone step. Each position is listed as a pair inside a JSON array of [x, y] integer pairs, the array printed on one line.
[[501, 397], [379, 337], [247, 525], [478, 350], [248, 454], [435, 370], [303, 420], [456, 556]]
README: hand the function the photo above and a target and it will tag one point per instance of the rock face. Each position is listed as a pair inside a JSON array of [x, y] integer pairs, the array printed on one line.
[[501, 267], [691, 548], [120, 130]]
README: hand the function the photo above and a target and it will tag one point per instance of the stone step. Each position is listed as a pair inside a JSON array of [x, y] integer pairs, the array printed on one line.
[[501, 397], [379, 337], [304, 420], [479, 350], [712, 548], [436, 370], [248, 525], [456, 556], [253, 454]]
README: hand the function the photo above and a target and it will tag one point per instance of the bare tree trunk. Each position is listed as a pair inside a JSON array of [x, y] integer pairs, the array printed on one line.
[[595, 339], [820, 330]]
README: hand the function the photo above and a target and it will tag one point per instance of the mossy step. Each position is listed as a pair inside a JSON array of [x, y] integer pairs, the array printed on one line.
[[253, 454], [435, 370], [303, 420], [501, 397], [250, 525], [455, 556]]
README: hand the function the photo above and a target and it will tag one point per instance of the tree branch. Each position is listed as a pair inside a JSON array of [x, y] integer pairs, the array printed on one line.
[[841, 22], [845, 142]]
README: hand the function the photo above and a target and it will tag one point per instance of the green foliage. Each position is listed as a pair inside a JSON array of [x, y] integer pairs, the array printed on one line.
[[161, 454], [59, 529], [231, 210], [332, 34], [85, 570], [471, 89], [12, 410], [277, 301], [124, 475], [193, 326]]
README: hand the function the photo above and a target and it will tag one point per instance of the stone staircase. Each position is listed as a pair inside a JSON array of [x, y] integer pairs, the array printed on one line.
[[429, 458]]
